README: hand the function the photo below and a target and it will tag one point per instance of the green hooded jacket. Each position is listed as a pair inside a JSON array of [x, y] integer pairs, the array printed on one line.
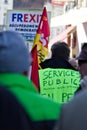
[[38, 107]]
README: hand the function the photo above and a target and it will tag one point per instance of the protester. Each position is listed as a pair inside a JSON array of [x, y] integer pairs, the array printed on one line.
[[82, 62], [15, 61], [12, 114], [65, 79], [60, 56], [74, 113]]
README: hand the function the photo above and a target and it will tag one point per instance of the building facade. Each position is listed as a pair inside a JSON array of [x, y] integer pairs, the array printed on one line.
[[4, 6]]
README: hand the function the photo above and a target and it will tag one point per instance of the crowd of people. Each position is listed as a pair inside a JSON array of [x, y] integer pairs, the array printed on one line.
[[22, 106]]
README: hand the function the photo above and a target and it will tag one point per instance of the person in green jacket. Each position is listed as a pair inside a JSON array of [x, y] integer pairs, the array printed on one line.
[[15, 61]]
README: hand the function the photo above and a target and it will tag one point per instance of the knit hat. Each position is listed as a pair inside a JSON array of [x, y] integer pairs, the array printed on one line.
[[14, 54], [60, 49], [83, 54]]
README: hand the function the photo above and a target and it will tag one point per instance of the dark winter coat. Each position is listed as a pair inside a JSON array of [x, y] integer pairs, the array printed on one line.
[[56, 63], [12, 114]]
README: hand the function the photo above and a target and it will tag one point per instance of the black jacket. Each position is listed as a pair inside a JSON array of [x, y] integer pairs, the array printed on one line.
[[12, 114], [56, 63]]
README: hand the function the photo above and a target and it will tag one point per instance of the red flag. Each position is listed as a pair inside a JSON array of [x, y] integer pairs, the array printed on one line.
[[34, 69], [44, 32], [40, 47]]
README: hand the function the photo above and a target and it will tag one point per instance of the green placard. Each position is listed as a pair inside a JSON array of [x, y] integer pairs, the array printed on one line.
[[59, 84]]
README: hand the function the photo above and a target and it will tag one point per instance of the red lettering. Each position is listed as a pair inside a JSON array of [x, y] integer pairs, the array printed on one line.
[[32, 18], [38, 18], [35, 18], [25, 17]]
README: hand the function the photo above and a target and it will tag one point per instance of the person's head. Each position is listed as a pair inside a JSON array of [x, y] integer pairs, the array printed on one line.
[[14, 54], [82, 60], [60, 49]]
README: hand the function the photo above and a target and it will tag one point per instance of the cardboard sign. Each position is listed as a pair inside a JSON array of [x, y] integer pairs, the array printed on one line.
[[59, 84]]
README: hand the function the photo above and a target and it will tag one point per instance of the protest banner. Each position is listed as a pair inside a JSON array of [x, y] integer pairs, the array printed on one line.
[[59, 84], [24, 22]]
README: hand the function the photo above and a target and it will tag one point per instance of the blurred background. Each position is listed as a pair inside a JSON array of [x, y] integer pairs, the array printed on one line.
[[68, 19]]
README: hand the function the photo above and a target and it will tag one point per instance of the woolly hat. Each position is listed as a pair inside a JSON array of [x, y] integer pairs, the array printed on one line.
[[83, 54], [60, 49], [14, 54]]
